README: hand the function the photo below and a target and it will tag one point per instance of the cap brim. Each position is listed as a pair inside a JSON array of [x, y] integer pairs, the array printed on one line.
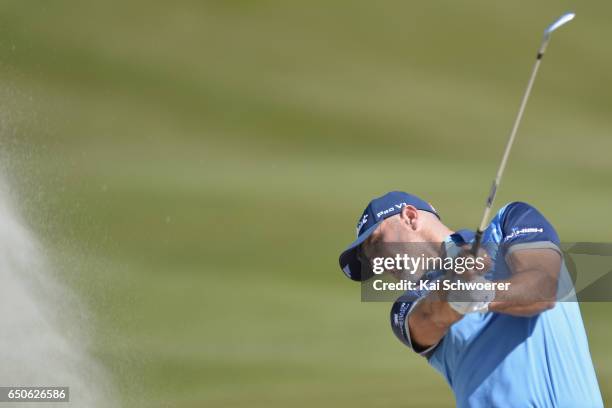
[[349, 262]]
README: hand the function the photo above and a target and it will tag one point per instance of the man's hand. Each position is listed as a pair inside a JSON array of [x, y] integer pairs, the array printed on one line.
[[482, 262], [474, 300]]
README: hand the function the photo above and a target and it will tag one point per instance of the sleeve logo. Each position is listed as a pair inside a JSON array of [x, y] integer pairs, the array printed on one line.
[[528, 230]]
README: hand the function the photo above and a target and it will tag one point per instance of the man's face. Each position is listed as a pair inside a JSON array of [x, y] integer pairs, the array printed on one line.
[[394, 236]]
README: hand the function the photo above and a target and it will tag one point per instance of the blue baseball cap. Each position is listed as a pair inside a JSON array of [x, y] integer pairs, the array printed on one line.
[[375, 213]]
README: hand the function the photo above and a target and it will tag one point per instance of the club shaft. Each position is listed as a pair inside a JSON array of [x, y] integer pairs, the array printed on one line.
[[564, 19], [504, 161]]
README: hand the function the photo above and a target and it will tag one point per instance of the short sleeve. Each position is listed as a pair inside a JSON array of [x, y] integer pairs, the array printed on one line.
[[399, 322], [524, 227]]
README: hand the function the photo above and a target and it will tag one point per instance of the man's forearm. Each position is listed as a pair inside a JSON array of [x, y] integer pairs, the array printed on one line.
[[533, 285], [528, 294], [532, 290], [430, 320]]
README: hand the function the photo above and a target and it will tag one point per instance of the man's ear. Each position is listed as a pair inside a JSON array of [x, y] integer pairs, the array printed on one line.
[[410, 217]]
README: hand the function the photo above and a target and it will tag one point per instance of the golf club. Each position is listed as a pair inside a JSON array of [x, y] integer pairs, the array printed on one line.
[[567, 17]]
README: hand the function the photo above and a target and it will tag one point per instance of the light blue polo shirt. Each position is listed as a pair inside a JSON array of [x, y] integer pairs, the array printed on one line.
[[497, 360]]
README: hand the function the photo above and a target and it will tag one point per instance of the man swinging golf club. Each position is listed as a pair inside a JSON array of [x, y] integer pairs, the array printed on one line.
[[505, 350], [519, 347]]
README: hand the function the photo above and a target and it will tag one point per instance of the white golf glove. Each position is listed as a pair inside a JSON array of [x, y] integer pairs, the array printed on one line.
[[471, 301]]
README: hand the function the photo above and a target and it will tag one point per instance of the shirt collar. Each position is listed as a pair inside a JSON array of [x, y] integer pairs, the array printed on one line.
[[454, 242], [463, 236]]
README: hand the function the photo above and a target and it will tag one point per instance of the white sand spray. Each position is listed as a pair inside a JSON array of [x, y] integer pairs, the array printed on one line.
[[43, 327]]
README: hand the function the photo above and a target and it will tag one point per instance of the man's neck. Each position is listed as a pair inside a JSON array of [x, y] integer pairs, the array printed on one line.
[[438, 235]]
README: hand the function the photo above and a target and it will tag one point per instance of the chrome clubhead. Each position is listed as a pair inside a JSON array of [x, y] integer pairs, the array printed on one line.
[[564, 19]]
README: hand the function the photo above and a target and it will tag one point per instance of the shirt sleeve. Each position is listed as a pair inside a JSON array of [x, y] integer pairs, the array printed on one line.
[[524, 227], [399, 323]]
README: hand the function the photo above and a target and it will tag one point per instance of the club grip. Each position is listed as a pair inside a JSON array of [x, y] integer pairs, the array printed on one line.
[[477, 242]]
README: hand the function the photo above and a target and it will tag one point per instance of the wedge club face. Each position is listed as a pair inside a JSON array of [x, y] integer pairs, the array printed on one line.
[[564, 19]]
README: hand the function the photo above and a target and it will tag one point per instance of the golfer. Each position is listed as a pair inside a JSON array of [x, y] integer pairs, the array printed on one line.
[[520, 347]]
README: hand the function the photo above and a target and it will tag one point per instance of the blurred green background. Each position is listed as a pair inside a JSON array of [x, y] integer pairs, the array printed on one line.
[[195, 167]]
